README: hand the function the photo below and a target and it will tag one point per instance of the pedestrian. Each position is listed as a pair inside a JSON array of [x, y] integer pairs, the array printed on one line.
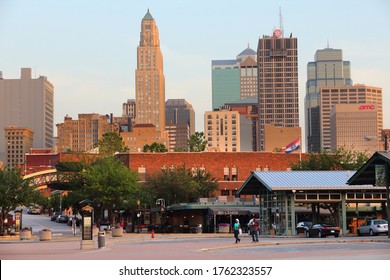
[[255, 230], [237, 230], [74, 226]]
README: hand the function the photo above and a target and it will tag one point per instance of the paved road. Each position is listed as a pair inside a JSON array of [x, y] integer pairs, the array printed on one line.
[[199, 247]]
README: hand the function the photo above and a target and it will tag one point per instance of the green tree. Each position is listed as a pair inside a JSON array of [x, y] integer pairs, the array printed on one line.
[[341, 159], [155, 148], [111, 143], [109, 184], [197, 142], [180, 185], [15, 192]]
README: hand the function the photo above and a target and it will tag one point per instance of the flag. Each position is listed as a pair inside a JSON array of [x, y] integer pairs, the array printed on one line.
[[293, 146]]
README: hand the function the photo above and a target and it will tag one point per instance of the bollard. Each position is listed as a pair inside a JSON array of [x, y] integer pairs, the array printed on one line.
[[101, 239]]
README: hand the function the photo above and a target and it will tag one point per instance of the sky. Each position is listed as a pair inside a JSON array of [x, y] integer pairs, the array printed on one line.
[[88, 48]]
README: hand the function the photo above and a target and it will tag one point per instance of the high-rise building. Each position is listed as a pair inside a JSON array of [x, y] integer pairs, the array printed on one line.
[[128, 109], [149, 76], [29, 103], [222, 130], [357, 94], [327, 70], [234, 79], [83, 134], [355, 126], [19, 141], [179, 122], [247, 109], [277, 62], [179, 111], [225, 79]]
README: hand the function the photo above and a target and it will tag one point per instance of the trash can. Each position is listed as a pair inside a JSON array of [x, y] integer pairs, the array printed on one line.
[[101, 239], [199, 229]]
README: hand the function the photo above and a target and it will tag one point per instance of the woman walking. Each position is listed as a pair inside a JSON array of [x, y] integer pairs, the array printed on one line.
[[237, 230]]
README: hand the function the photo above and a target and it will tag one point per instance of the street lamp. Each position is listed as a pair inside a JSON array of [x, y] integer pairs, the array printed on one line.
[[139, 216]]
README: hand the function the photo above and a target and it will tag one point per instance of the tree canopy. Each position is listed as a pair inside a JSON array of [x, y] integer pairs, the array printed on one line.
[[180, 185], [341, 159], [111, 143], [197, 142], [109, 184], [15, 192], [155, 148]]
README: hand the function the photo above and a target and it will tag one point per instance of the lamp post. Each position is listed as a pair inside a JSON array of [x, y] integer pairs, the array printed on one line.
[[139, 216]]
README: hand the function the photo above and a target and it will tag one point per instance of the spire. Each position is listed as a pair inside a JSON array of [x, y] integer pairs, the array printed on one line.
[[148, 16]]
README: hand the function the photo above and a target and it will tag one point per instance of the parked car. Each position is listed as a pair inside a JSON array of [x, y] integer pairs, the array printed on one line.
[[54, 217], [302, 227], [62, 219], [373, 227], [323, 230], [70, 220], [34, 210]]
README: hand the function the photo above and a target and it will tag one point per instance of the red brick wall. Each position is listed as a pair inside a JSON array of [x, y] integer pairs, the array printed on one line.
[[214, 162]]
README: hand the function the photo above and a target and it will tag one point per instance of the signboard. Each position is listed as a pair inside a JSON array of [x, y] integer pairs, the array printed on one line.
[[380, 175], [87, 213]]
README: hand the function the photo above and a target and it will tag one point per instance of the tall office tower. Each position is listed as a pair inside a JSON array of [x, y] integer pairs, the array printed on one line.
[[277, 60], [19, 141], [222, 130], [128, 108], [355, 126], [179, 122], [234, 79], [179, 111], [83, 134], [27, 102], [149, 77], [331, 96], [327, 70], [248, 73]]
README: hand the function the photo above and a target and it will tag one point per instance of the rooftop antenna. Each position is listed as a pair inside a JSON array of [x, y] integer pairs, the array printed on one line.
[[281, 21]]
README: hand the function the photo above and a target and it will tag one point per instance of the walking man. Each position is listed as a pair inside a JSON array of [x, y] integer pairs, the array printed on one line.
[[254, 225]]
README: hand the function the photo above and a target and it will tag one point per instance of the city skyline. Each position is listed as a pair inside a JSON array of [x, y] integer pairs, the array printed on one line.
[[89, 53]]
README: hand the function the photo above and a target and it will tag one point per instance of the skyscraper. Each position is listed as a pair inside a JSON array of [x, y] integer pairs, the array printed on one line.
[[28, 103], [179, 122], [234, 79], [327, 70], [149, 76], [277, 60]]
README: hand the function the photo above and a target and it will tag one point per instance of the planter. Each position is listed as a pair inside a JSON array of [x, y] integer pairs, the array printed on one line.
[[224, 229], [25, 235], [117, 232], [45, 235]]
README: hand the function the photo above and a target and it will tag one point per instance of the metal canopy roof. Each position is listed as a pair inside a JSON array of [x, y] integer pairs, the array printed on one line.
[[366, 174], [261, 181]]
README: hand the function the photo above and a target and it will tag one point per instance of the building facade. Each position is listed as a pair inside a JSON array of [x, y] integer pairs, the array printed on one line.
[[29, 103], [278, 137], [149, 76], [129, 108], [355, 126], [83, 134], [234, 79], [328, 70], [179, 122], [19, 141], [144, 134], [222, 130], [277, 60], [358, 94]]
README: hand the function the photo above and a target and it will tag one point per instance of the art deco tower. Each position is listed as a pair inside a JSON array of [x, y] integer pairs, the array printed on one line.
[[149, 77]]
